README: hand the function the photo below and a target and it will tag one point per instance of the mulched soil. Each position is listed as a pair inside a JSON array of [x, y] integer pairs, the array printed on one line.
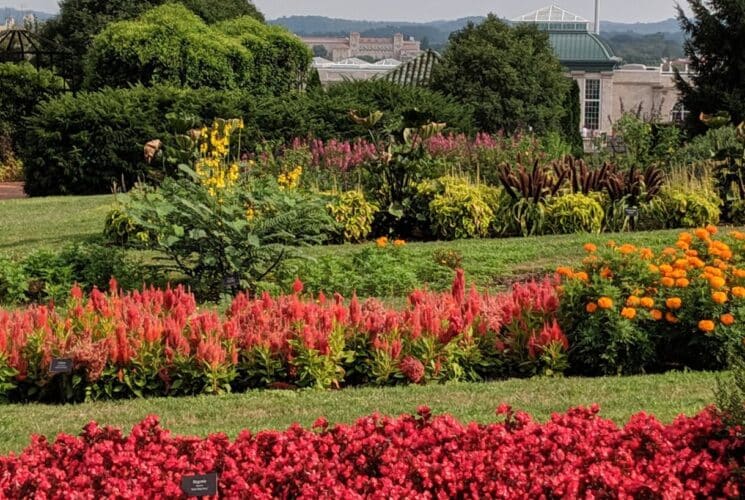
[[11, 190]]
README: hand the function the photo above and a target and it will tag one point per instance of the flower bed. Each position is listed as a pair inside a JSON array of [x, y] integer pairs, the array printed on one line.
[[574, 455], [629, 309], [157, 342]]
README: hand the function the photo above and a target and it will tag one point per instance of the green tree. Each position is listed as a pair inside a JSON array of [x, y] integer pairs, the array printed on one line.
[[79, 21], [509, 75], [281, 60], [166, 45], [570, 124], [715, 37]]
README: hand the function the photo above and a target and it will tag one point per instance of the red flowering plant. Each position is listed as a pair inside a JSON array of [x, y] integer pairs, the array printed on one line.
[[156, 342], [576, 454]]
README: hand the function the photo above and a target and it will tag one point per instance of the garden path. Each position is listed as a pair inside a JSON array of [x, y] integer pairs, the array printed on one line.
[[11, 190]]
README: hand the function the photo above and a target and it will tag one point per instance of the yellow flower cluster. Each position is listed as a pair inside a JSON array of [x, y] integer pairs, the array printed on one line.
[[291, 179], [696, 277], [214, 169]]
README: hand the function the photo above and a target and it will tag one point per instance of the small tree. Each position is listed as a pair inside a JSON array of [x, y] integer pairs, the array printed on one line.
[[715, 38], [511, 76]]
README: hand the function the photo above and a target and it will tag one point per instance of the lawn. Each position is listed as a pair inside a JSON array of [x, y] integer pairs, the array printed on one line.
[[48, 223], [665, 396]]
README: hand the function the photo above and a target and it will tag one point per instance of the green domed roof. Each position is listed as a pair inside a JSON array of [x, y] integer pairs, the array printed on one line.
[[576, 46], [582, 51]]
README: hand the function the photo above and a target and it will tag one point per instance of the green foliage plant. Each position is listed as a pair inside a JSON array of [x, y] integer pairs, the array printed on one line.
[[354, 214], [574, 213]]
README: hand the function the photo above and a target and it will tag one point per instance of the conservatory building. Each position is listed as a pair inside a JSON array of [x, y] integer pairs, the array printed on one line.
[[607, 89]]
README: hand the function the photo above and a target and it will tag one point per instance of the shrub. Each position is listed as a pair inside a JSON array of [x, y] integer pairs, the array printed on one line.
[[22, 87], [677, 208], [226, 232], [281, 61], [459, 210], [574, 213], [166, 45], [354, 214], [574, 455], [83, 143], [629, 309]]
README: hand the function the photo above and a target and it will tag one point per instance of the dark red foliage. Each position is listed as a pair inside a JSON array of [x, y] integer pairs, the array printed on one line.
[[574, 455]]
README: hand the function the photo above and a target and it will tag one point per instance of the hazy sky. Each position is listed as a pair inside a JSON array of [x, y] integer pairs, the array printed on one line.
[[426, 10]]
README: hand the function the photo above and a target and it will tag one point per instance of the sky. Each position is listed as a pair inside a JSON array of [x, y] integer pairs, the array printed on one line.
[[428, 10]]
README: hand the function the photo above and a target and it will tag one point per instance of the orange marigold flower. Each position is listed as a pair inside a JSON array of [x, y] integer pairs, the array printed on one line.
[[627, 249], [666, 268], [605, 303], [670, 318], [633, 301], [656, 314], [399, 243], [678, 273], [669, 251], [565, 271], [711, 229], [739, 273], [667, 282], [717, 282], [590, 248], [738, 235], [706, 325], [382, 242], [653, 269], [606, 273], [646, 253], [681, 264], [682, 245], [682, 283], [685, 236], [647, 302], [719, 297], [702, 234], [738, 292], [727, 319], [696, 262], [591, 307], [674, 303], [582, 276], [628, 312]]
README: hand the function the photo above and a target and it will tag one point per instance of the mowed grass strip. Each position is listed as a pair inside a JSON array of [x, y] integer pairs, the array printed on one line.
[[666, 396], [50, 223]]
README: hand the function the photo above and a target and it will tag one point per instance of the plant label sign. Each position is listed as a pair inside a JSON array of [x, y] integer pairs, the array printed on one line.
[[60, 365], [632, 212], [199, 486]]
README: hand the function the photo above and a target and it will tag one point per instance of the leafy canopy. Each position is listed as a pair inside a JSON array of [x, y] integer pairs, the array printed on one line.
[[509, 75], [166, 45], [715, 37], [81, 20]]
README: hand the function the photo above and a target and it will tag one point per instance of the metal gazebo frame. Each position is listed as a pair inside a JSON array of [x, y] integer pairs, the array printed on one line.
[[19, 45]]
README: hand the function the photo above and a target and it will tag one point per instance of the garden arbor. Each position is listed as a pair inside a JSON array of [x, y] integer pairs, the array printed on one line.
[[22, 45]]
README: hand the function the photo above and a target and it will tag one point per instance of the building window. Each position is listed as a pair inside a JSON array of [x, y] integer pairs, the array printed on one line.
[[679, 113], [592, 104]]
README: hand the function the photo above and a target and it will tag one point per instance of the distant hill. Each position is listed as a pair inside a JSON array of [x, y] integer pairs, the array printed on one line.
[[667, 26], [18, 15], [642, 43]]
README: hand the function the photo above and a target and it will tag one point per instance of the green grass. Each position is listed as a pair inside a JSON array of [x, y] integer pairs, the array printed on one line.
[[665, 396], [49, 223]]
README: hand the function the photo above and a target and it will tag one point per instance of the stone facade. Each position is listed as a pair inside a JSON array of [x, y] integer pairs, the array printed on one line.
[[355, 45], [649, 91]]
